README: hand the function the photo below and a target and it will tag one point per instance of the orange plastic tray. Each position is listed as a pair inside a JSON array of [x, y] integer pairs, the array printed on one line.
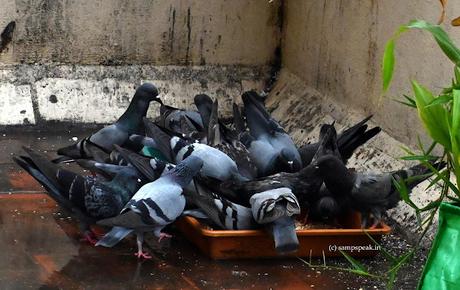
[[225, 244]]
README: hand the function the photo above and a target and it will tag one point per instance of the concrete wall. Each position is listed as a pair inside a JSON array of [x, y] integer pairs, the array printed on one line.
[[336, 48], [156, 32], [80, 61]]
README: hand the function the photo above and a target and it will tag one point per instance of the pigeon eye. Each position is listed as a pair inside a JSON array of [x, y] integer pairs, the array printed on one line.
[[138, 180], [316, 167]]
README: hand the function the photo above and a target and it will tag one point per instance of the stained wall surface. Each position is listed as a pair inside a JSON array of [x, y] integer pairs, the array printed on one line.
[[80, 61], [336, 47]]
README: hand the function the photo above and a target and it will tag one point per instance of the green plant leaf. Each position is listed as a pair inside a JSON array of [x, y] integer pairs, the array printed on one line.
[[441, 37], [387, 254], [434, 118], [356, 265], [457, 74], [418, 157], [404, 192], [388, 64], [442, 99]]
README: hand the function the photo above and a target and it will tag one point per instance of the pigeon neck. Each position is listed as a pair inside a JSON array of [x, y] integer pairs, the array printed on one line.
[[132, 117], [128, 185]]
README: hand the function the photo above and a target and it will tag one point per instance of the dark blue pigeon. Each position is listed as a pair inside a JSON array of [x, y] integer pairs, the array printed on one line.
[[154, 206], [117, 133], [86, 197], [270, 147]]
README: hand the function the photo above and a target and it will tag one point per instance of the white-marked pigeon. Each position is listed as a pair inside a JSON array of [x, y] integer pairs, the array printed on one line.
[[153, 207], [222, 212], [276, 208]]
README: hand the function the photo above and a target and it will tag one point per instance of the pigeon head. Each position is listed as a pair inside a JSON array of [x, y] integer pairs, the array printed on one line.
[[203, 100], [337, 177], [287, 161], [327, 208], [147, 92], [184, 172]]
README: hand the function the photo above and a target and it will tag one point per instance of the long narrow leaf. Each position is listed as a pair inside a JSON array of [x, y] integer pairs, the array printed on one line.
[[434, 118], [388, 64], [441, 37], [356, 265]]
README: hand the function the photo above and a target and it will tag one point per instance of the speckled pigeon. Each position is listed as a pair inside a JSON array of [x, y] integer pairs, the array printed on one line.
[[87, 198]]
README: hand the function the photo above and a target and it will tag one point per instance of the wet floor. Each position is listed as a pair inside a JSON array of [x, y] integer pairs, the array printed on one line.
[[40, 248]]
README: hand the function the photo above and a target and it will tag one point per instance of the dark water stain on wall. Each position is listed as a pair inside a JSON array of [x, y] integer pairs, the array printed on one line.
[[7, 35], [189, 34]]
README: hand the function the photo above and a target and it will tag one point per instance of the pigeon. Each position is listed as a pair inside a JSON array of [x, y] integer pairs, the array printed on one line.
[[216, 163], [226, 140], [270, 147], [370, 194], [238, 121], [327, 207], [276, 208], [347, 141], [222, 212], [117, 133], [170, 118], [84, 196], [153, 207], [204, 105], [151, 168], [305, 184]]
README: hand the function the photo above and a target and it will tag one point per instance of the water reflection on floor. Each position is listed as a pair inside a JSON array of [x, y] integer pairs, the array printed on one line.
[[41, 249]]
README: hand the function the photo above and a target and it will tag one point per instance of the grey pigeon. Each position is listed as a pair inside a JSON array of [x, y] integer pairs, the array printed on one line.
[[270, 147], [216, 164], [204, 105], [222, 212], [277, 204], [117, 133], [153, 207], [347, 141], [226, 140], [171, 119], [370, 193], [87, 198]]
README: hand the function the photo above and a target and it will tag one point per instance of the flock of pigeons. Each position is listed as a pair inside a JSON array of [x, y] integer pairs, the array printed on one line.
[[244, 175]]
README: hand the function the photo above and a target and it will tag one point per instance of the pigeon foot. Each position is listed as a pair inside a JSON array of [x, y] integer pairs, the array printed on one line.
[[144, 255], [89, 237], [163, 236]]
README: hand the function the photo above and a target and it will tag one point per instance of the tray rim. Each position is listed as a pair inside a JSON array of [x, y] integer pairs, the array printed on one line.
[[196, 225]]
